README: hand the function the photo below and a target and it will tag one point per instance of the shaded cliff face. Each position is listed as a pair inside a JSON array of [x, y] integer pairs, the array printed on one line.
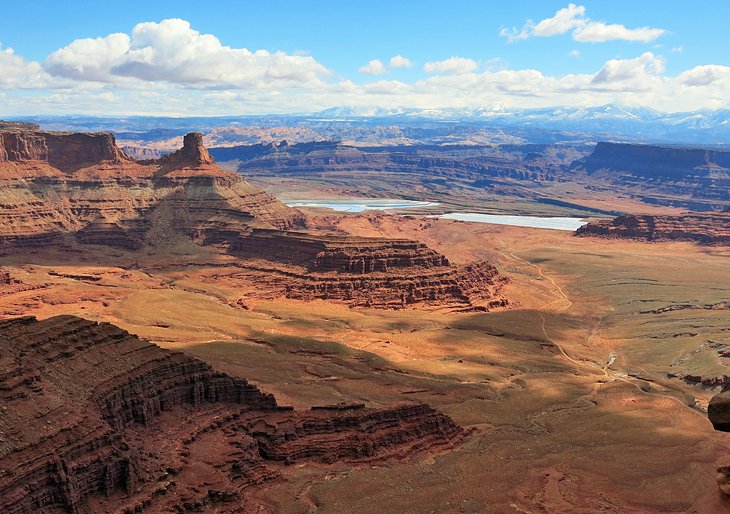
[[693, 178], [515, 162], [114, 440], [708, 229], [655, 161]]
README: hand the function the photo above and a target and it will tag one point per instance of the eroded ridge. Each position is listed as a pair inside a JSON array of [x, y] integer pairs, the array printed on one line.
[[707, 229], [91, 193], [94, 418]]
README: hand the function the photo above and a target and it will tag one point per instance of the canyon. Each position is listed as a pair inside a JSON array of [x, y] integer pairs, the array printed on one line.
[[564, 179], [113, 441], [301, 360], [69, 189]]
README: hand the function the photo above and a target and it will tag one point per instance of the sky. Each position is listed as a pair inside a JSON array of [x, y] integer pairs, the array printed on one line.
[[242, 57]]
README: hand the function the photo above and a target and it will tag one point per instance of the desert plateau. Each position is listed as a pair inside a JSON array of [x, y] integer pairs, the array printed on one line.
[[241, 281]]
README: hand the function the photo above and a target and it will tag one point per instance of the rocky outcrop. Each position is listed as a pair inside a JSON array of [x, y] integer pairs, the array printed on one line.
[[122, 437], [192, 154], [358, 255], [65, 151], [6, 278], [718, 411], [367, 272], [56, 184], [707, 229]]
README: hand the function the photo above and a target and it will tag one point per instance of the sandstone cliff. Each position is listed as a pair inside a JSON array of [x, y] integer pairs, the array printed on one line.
[[693, 178], [707, 229], [66, 189], [95, 419], [52, 185], [367, 272]]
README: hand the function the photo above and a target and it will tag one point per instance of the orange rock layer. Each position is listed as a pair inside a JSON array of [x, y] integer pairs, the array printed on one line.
[[80, 188], [708, 229]]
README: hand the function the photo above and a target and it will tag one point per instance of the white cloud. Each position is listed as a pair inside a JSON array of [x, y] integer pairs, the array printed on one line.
[[574, 53], [678, 49], [455, 65], [374, 67], [599, 32], [168, 68], [398, 61], [705, 75], [584, 30], [630, 70], [171, 51], [16, 72]]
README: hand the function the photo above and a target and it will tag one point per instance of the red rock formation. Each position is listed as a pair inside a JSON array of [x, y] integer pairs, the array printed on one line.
[[53, 184], [65, 151], [718, 411], [708, 229], [129, 205], [193, 153], [6, 278], [368, 272], [95, 419]]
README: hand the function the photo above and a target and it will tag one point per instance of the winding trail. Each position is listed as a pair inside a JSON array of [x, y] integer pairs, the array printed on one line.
[[612, 357]]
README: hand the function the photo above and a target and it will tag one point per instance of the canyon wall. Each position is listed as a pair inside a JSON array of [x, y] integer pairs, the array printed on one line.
[[95, 419], [152, 204], [692, 178], [707, 229]]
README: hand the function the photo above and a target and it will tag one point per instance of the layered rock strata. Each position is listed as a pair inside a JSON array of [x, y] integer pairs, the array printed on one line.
[[707, 229], [95, 419], [64, 189], [693, 178], [53, 185], [368, 272]]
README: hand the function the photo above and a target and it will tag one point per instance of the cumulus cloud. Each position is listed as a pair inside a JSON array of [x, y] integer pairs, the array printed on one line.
[[169, 68], [16, 72], [634, 71], [171, 51], [374, 67], [599, 32], [455, 65], [705, 75], [584, 30], [377, 67], [398, 61]]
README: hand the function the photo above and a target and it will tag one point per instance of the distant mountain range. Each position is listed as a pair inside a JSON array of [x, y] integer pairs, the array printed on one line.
[[567, 124], [710, 127]]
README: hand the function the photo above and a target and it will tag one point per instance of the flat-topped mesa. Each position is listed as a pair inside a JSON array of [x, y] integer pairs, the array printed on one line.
[[55, 184], [332, 253], [667, 162], [65, 151], [706, 229], [107, 443], [366, 272]]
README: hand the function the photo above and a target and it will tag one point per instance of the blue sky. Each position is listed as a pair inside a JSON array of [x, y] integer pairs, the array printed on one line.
[[666, 55]]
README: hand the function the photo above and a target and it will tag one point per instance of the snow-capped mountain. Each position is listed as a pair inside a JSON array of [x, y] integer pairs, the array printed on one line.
[[705, 126]]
